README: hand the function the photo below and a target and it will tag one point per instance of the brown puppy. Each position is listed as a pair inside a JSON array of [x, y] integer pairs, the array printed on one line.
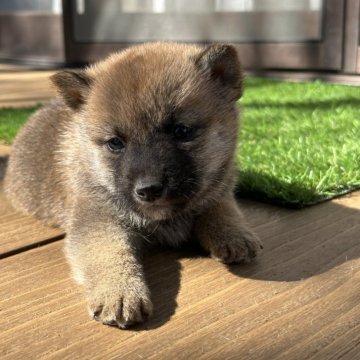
[[137, 149]]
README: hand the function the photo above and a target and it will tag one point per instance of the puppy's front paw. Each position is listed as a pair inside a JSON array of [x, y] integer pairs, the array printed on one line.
[[120, 306], [240, 247]]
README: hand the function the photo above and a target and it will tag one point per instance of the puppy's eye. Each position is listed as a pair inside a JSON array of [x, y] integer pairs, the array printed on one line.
[[182, 132], [115, 144]]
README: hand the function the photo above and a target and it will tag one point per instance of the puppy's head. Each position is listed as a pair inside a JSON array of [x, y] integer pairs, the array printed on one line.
[[157, 125]]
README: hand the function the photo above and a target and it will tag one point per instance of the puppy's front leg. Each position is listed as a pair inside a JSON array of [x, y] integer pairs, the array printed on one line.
[[222, 231], [103, 258]]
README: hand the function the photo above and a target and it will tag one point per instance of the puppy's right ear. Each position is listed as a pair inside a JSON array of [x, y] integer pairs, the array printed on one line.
[[73, 87]]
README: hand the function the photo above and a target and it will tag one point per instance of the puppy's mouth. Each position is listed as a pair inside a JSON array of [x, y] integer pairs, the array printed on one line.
[[163, 208]]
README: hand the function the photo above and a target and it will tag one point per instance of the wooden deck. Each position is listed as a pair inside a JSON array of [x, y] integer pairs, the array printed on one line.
[[299, 300], [20, 86]]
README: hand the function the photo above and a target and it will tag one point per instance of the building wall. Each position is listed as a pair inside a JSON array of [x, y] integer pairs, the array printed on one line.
[[48, 6]]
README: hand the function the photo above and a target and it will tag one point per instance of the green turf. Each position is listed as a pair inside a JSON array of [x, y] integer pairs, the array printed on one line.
[[299, 142], [11, 121]]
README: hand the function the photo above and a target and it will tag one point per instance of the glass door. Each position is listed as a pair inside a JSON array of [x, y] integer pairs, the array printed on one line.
[[292, 34]]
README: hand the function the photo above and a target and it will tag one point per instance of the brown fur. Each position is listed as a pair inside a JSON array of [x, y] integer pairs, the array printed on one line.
[[61, 169]]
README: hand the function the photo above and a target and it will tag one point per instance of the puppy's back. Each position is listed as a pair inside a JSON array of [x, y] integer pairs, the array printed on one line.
[[32, 180]]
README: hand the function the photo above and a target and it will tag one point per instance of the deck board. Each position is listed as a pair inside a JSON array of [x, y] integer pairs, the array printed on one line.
[[299, 300], [19, 232], [22, 87]]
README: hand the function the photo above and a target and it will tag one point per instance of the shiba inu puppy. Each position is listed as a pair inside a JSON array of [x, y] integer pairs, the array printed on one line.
[[136, 149]]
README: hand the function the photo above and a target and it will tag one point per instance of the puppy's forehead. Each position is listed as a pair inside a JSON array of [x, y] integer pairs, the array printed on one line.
[[145, 86]]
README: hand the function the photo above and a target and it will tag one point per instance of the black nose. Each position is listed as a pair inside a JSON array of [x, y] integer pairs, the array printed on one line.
[[149, 190]]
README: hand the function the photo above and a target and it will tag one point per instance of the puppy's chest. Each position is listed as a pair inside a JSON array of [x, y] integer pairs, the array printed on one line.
[[170, 233]]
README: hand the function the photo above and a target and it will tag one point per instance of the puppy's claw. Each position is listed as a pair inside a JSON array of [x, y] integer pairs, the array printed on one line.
[[120, 308]]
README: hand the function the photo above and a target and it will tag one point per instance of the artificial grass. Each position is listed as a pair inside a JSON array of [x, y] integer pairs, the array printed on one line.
[[11, 119], [299, 142]]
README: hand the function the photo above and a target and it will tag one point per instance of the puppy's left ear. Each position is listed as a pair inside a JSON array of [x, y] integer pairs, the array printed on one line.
[[221, 63]]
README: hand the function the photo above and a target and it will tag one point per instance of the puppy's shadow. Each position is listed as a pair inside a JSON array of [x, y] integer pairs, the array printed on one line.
[[303, 243], [299, 244], [163, 275], [3, 165]]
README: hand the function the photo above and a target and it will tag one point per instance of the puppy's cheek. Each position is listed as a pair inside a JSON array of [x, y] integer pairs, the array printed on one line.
[[103, 170]]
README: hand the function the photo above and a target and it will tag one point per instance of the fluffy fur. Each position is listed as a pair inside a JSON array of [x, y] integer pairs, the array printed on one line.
[[63, 170]]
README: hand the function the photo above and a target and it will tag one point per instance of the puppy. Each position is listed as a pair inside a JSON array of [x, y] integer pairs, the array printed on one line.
[[137, 149]]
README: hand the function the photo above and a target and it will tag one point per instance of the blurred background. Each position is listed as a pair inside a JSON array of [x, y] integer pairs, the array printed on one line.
[[271, 35]]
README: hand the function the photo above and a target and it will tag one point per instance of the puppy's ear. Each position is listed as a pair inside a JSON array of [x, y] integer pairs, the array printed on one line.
[[221, 63], [72, 86]]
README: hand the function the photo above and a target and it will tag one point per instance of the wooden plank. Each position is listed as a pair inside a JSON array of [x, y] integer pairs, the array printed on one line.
[[25, 88], [4, 150], [19, 232], [299, 300]]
